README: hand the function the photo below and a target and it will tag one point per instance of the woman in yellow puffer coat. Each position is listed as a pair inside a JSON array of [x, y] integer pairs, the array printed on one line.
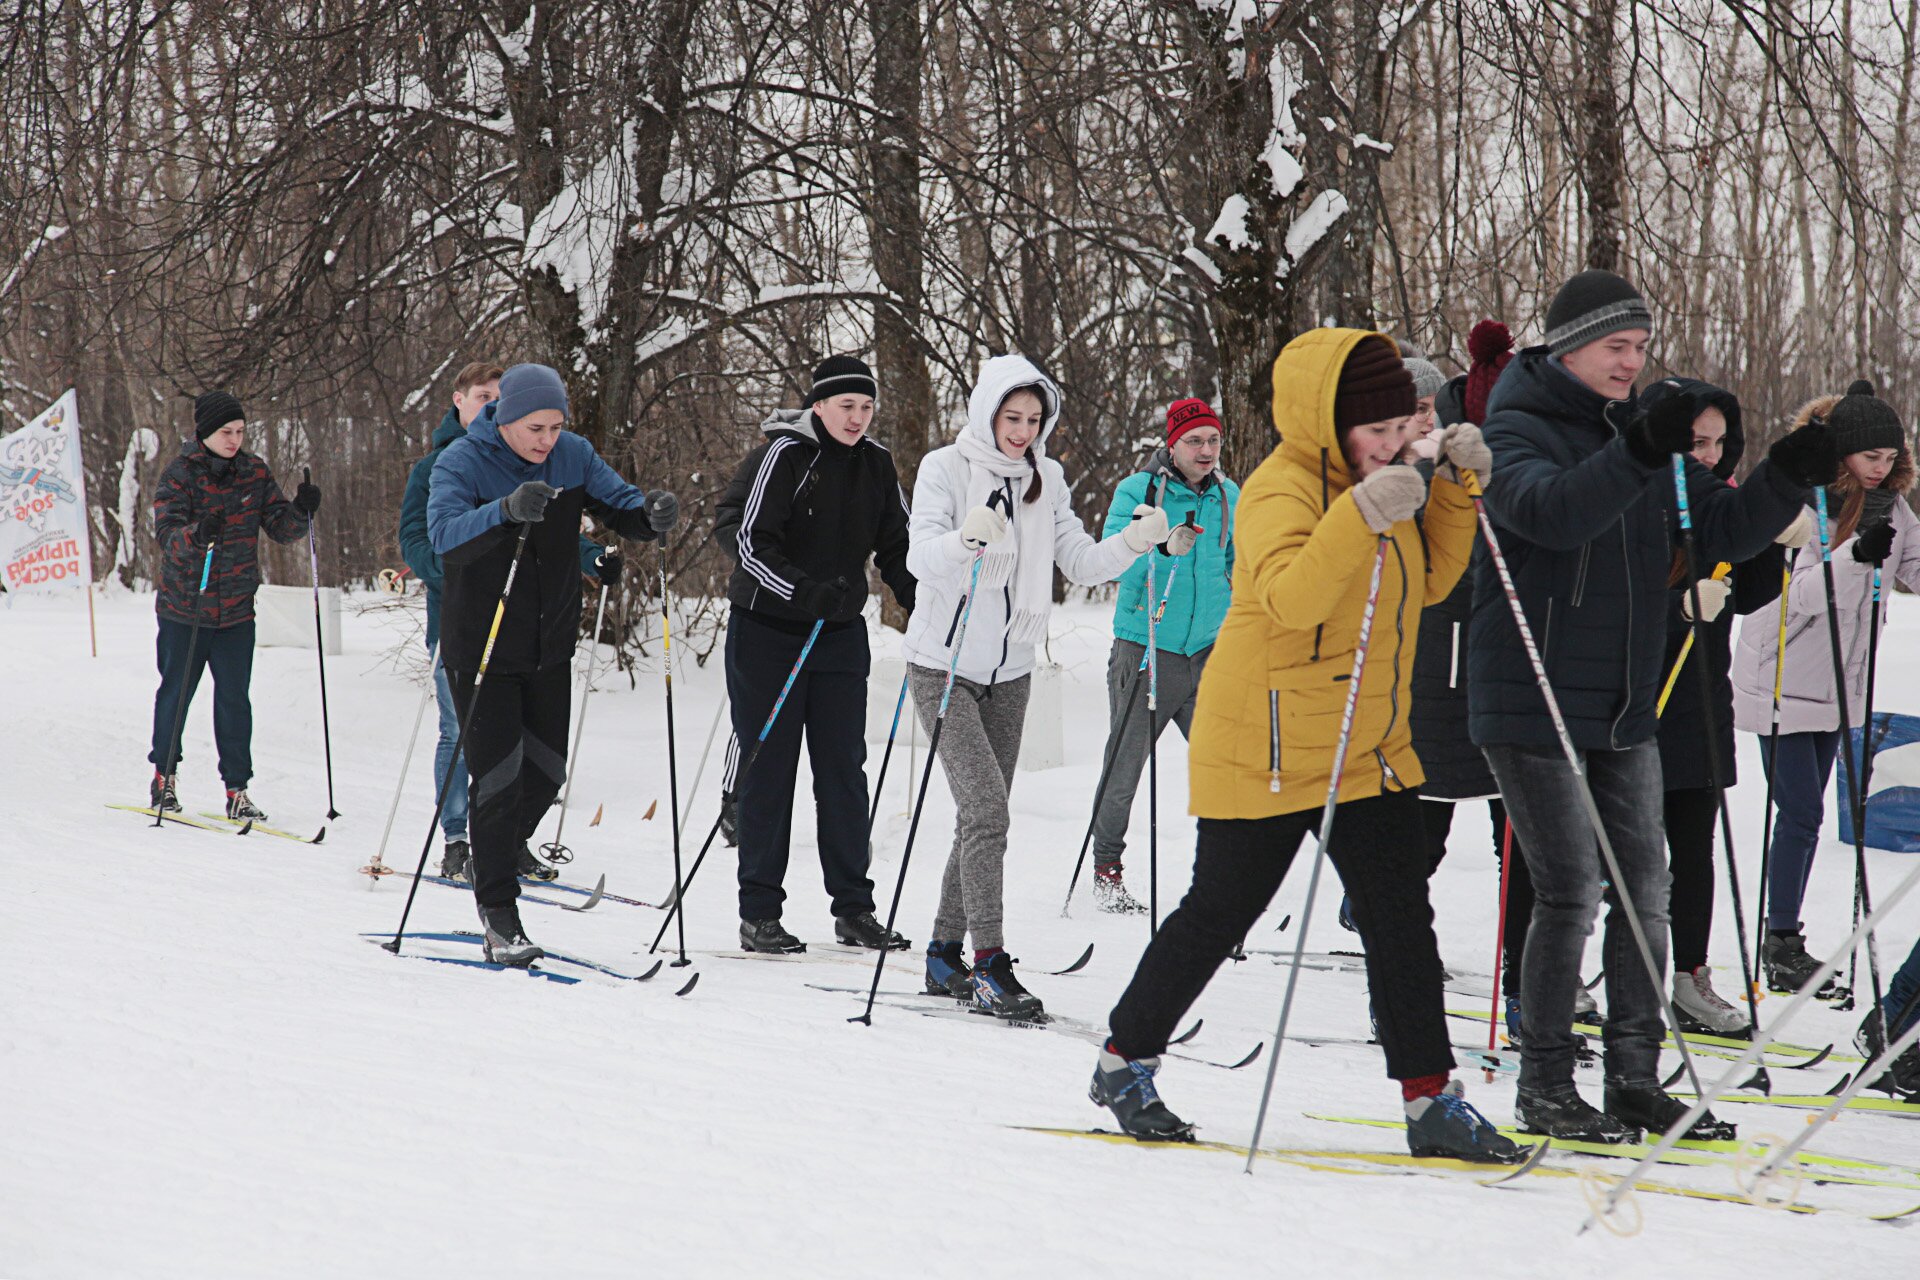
[[1312, 518]]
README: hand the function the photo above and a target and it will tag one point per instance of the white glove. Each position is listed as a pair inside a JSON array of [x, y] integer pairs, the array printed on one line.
[[1148, 530], [1181, 540], [982, 526], [1799, 533], [1461, 448], [1713, 598], [1388, 496]]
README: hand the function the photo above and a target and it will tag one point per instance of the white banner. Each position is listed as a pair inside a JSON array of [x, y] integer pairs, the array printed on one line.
[[44, 543]]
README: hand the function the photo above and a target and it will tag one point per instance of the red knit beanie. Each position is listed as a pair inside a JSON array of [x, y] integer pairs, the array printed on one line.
[[1374, 385], [1489, 349], [1184, 415]]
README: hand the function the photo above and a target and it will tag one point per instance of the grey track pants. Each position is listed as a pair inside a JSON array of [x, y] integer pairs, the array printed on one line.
[[978, 750], [1179, 682]]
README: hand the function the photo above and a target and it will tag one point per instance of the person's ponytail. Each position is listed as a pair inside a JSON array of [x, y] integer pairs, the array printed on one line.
[[1033, 486]]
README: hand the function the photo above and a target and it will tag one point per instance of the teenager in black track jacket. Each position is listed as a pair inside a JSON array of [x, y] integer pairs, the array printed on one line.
[[802, 515]]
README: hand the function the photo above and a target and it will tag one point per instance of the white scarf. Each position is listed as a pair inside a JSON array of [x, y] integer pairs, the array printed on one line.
[[1026, 558]]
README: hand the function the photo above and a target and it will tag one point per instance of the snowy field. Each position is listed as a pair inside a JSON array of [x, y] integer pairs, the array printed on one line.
[[208, 1073]]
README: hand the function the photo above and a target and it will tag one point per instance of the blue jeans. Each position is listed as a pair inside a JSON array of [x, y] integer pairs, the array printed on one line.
[[228, 652], [1552, 832], [1902, 1007], [453, 817], [1799, 790]]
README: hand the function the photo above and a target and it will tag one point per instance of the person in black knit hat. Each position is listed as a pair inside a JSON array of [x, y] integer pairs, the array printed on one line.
[[805, 511], [215, 497]]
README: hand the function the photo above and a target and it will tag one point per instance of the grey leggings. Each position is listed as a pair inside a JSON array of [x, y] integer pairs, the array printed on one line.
[[978, 750]]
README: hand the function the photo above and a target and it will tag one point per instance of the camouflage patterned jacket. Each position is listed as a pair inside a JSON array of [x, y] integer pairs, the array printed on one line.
[[242, 491]]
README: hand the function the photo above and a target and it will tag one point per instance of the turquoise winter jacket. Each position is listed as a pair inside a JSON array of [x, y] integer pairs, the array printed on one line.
[[1197, 604]]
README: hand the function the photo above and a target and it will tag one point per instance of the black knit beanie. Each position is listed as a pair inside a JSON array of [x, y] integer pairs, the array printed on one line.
[[1374, 385], [213, 410], [842, 376], [1862, 421], [1589, 307]]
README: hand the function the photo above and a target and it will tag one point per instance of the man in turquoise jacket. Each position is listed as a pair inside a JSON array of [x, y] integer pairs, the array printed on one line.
[[1183, 478]]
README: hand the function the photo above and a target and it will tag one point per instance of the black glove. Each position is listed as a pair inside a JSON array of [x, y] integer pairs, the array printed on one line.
[[1806, 456], [306, 499], [1874, 545], [822, 599], [528, 503], [663, 509], [1661, 430], [609, 567], [207, 532], [1876, 508]]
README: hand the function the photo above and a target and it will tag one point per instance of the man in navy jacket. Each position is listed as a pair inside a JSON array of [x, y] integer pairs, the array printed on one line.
[[519, 473]]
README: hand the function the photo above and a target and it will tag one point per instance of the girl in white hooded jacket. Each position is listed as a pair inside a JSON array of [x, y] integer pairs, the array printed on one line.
[[1001, 450]]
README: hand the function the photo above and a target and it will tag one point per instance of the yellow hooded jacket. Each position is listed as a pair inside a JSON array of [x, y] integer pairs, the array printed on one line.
[[1268, 715]]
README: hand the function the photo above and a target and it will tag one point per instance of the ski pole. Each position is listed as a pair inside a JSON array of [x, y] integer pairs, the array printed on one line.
[[1773, 761], [1572, 753], [1326, 834], [377, 868], [1863, 892], [558, 853], [673, 758], [1720, 571], [1855, 792], [1153, 750], [1500, 939], [680, 886], [172, 764], [1711, 715], [700, 770], [933, 753], [873, 815], [320, 651], [460, 738]]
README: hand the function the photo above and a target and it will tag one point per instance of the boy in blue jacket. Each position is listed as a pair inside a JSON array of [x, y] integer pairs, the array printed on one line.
[[519, 471], [1183, 478]]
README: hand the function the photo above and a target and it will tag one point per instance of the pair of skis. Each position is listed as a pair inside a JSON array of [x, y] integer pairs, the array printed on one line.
[[220, 824]]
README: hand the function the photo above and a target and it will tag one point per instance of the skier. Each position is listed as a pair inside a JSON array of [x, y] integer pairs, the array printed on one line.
[[1011, 413], [805, 511], [519, 473], [217, 496], [1269, 723], [1582, 499], [1872, 525], [474, 388], [1183, 478], [1692, 799]]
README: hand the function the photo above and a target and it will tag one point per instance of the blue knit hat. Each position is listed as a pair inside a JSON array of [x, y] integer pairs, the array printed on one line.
[[528, 388]]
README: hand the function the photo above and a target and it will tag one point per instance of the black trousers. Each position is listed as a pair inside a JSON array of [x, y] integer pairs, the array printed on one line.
[[1691, 814], [1519, 912], [828, 706], [229, 653], [1378, 850], [517, 760]]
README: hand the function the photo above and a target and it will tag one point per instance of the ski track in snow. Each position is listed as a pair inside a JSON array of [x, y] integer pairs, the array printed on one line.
[[208, 1073]]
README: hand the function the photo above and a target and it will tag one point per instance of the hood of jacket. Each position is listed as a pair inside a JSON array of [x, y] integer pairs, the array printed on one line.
[[794, 422], [1306, 378], [999, 378], [449, 430], [1703, 396]]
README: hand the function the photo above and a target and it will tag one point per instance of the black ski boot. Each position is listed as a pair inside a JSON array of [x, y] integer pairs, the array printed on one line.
[[767, 938], [1788, 966], [162, 794], [998, 992], [1565, 1114], [947, 971], [526, 864], [1652, 1108], [1125, 1087], [506, 941], [729, 820], [1447, 1125], [860, 929], [455, 861], [1903, 1074]]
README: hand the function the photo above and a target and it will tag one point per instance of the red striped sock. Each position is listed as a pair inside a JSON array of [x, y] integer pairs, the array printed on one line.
[[984, 954], [1422, 1087]]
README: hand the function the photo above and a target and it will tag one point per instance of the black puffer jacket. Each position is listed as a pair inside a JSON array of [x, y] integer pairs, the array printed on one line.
[[1586, 531], [1455, 768], [1684, 760], [241, 491], [804, 508]]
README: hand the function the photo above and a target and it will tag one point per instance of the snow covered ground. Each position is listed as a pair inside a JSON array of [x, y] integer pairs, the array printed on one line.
[[208, 1072]]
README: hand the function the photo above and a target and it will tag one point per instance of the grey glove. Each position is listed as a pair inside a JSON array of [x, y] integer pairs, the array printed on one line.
[[528, 503], [1462, 448], [1388, 496], [663, 510]]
